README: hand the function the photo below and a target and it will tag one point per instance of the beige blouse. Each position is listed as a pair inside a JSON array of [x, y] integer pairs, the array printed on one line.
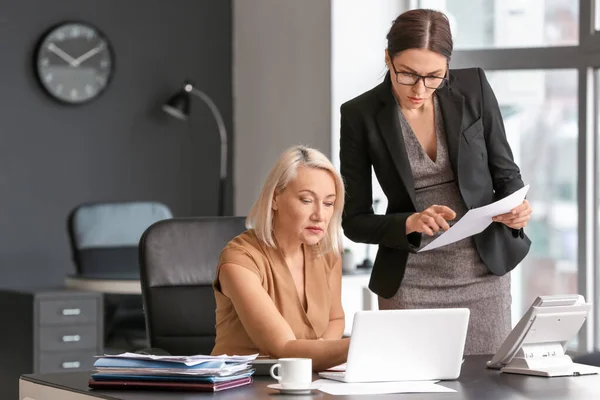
[[269, 265]]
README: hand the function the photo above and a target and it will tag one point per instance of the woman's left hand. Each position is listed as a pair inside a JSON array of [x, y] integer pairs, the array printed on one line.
[[517, 218]]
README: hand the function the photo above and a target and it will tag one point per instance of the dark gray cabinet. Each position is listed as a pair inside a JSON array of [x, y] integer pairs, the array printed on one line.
[[46, 331]]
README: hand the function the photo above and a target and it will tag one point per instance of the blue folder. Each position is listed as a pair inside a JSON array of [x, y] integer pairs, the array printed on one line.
[[132, 363]]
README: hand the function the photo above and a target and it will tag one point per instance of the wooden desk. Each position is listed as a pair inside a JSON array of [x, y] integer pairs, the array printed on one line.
[[113, 285], [475, 383]]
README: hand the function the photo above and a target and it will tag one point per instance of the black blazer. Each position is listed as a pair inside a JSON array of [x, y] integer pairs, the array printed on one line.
[[480, 156]]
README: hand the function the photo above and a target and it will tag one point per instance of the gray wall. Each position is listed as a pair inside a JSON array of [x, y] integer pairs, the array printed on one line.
[[119, 147], [282, 85]]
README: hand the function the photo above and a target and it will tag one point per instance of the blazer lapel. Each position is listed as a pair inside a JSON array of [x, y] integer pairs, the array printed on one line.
[[451, 104], [389, 126]]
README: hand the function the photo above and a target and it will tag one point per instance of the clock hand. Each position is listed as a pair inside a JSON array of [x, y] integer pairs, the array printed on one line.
[[87, 55], [59, 52]]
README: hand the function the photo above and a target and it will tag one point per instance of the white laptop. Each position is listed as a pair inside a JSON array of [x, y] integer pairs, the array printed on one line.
[[405, 345]]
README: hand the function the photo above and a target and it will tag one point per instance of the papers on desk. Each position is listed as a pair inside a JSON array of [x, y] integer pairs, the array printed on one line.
[[341, 388], [187, 360], [202, 373], [477, 219], [154, 369]]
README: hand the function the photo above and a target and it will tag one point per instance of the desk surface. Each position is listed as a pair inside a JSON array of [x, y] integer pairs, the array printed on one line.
[[475, 382]]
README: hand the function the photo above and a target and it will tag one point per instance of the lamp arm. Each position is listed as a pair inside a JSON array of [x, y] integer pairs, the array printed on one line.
[[221, 126]]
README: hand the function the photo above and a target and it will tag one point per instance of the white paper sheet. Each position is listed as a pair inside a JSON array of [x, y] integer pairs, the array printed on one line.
[[341, 388], [477, 219]]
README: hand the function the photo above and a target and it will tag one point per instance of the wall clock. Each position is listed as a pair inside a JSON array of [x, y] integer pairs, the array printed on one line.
[[74, 62]]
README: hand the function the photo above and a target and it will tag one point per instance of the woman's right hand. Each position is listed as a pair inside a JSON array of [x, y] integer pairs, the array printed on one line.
[[430, 220]]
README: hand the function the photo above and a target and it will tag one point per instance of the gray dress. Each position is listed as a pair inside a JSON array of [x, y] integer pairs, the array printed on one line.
[[452, 275]]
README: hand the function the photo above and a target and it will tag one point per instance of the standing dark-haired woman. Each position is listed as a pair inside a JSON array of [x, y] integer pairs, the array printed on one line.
[[436, 141]]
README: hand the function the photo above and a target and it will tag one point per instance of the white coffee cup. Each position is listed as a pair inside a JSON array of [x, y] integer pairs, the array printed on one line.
[[293, 373]]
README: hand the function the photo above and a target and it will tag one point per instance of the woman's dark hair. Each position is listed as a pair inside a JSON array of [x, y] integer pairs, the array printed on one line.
[[420, 29]]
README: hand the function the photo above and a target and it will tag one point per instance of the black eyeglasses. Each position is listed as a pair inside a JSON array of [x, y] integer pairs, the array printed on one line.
[[410, 79]]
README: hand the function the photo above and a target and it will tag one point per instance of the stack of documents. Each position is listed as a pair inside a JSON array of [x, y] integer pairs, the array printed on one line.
[[196, 373]]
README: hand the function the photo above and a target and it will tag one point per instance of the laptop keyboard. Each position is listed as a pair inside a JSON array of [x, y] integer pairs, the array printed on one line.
[[337, 374]]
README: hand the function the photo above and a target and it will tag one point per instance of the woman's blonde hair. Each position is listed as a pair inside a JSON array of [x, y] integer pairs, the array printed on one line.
[[285, 170]]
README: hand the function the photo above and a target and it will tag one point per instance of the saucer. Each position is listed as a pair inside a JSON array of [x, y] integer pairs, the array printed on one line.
[[304, 390]]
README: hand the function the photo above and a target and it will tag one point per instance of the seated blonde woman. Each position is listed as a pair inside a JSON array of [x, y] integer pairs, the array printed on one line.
[[278, 284]]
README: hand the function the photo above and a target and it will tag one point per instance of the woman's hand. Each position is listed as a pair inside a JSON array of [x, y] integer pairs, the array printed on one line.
[[430, 220], [517, 218]]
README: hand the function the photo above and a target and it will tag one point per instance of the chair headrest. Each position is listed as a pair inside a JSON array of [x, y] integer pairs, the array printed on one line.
[[113, 224], [185, 251]]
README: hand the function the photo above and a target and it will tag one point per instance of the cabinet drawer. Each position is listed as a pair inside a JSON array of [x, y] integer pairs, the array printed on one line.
[[65, 362], [71, 311], [67, 338]]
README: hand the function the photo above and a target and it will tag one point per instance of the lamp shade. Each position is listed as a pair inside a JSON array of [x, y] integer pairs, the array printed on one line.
[[178, 105]]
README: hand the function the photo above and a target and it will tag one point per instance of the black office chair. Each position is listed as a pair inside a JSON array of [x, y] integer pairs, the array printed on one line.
[[178, 261], [104, 239]]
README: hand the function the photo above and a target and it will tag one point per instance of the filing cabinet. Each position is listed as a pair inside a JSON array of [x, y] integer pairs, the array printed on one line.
[[47, 330]]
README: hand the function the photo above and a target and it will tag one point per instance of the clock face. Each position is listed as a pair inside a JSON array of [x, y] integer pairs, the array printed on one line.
[[74, 63]]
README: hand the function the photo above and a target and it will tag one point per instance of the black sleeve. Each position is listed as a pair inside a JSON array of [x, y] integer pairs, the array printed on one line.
[[359, 222], [506, 176]]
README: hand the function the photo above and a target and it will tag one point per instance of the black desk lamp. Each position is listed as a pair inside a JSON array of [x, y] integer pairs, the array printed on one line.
[[178, 106]]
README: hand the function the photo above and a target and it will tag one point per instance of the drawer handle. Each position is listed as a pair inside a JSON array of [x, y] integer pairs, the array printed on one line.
[[71, 311], [71, 338], [70, 364]]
